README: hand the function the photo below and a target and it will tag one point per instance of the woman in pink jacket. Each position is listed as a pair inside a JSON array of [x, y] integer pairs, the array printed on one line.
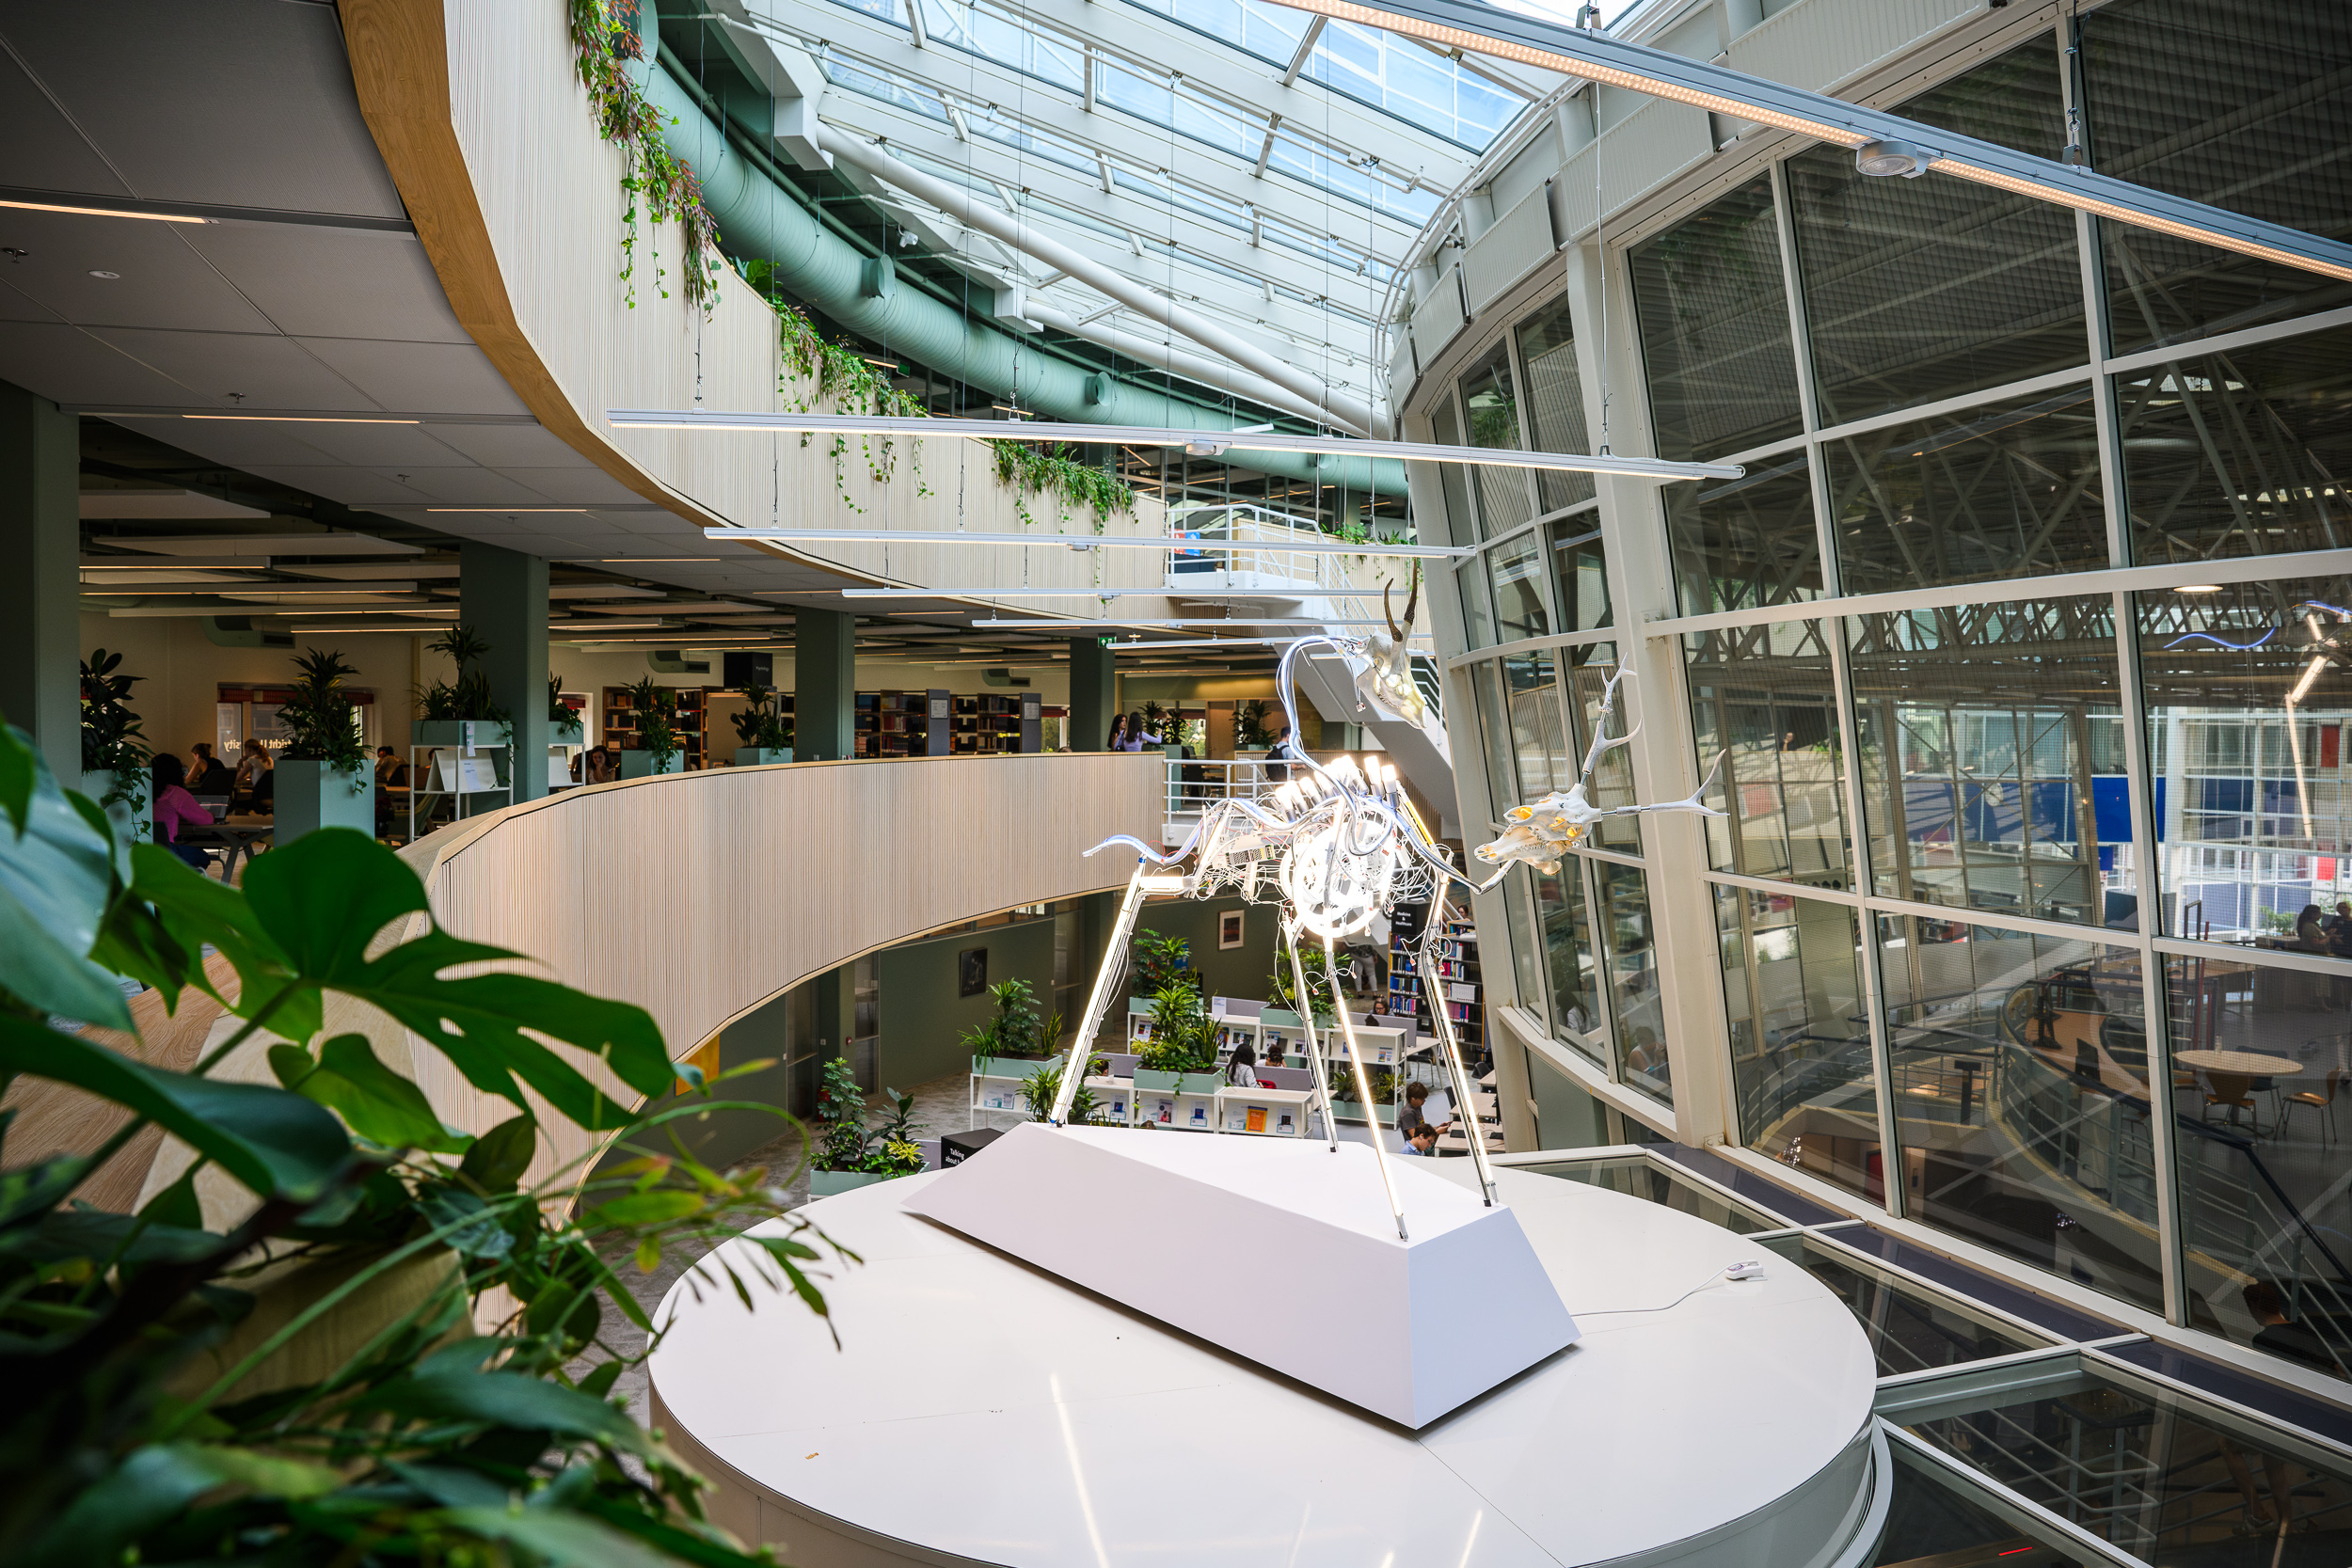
[[175, 808]]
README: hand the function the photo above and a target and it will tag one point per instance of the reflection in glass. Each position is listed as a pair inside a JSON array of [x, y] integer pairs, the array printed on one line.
[[1525, 966], [1714, 326], [2007, 490], [1636, 1177], [1478, 622], [1568, 955], [2248, 693], [1517, 570], [2240, 454], [1737, 543], [1916, 289], [1992, 758], [1632, 960], [1502, 781], [1800, 1038], [1490, 404], [1566, 1116], [1611, 787], [1555, 402], [2021, 1089], [2252, 118], [1929, 1524], [1911, 1329], [2266, 1218], [2165, 1478], [1462, 522], [1763, 698], [1579, 572], [1537, 740]]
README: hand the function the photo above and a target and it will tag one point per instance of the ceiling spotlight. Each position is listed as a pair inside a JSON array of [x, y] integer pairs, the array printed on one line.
[[2198, 588], [1893, 157], [1206, 449], [96, 272]]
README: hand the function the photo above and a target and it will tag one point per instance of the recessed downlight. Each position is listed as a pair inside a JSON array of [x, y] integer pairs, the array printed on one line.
[[98, 272]]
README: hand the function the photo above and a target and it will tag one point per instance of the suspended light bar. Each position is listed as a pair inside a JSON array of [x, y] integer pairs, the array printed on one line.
[[1005, 593], [1200, 443], [1884, 143], [1165, 621], [1080, 542]]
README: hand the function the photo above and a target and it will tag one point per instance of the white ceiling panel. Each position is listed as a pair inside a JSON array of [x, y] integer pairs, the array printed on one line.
[[576, 486], [333, 282], [447, 378], [159, 281], [511, 446], [378, 446], [67, 365], [248, 444], [213, 365]]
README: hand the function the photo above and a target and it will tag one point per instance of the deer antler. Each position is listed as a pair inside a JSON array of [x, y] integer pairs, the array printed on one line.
[[1411, 601], [1389, 614]]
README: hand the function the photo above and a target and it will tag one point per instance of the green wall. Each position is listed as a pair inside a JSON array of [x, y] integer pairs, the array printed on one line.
[[1240, 973], [921, 1018]]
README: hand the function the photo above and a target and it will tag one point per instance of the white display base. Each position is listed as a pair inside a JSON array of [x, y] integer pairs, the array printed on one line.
[[979, 1410], [1285, 1253]]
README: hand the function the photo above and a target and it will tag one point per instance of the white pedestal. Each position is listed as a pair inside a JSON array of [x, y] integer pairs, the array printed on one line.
[[1333, 1297]]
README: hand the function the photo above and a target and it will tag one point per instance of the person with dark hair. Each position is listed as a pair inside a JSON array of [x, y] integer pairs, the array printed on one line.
[[175, 808], [1422, 1140], [2310, 929], [1243, 1070], [206, 776], [253, 770], [1411, 1113], [1277, 766], [2279, 1336], [1118, 739], [1137, 737]]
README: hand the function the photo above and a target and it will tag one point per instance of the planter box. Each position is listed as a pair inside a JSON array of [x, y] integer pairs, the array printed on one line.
[[131, 818], [455, 732], [758, 756], [825, 1183], [310, 795], [638, 764], [567, 735]]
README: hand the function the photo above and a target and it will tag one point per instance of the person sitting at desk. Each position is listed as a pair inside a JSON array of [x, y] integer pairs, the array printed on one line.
[[2310, 929], [2339, 927], [206, 776], [1243, 1070], [1422, 1140], [253, 768], [175, 808], [1412, 1115]]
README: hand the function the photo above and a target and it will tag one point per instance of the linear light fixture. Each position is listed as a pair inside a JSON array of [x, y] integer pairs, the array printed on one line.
[[1073, 541], [1237, 621], [1201, 443], [300, 419], [103, 212], [505, 511], [1637, 67]]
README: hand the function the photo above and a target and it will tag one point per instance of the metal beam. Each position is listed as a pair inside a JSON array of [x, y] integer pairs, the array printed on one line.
[[1305, 51], [1719, 89]]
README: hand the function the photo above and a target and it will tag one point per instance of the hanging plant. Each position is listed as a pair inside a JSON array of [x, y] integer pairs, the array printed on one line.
[[660, 185], [838, 373], [1031, 471]]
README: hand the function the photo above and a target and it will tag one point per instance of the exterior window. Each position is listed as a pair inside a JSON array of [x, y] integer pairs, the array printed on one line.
[[2248, 705], [1526, 958], [2020, 1084], [1991, 776], [1800, 1040], [1555, 402], [1579, 572], [1478, 617], [2007, 490], [1502, 772], [2252, 117], [1612, 784], [1517, 571], [1491, 404], [1566, 1116], [1630, 957], [1714, 326], [2241, 453], [2265, 1204], [1760, 698], [1741, 543], [1537, 737], [1916, 289], [1569, 957]]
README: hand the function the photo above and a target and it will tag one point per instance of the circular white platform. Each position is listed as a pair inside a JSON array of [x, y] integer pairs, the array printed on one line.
[[982, 1411]]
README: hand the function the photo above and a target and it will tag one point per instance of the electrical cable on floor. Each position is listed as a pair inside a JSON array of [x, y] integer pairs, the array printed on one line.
[[1731, 1275]]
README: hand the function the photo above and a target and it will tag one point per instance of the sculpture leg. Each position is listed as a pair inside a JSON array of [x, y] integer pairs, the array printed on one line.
[[1315, 1047], [1074, 1069], [1364, 1088], [1439, 1019]]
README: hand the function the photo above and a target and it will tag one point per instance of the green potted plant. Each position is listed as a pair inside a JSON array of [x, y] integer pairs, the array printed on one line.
[[656, 748], [764, 729], [322, 778], [1014, 1030], [301, 1385], [460, 712], [1251, 734], [1161, 961], [849, 1154], [563, 725], [114, 751], [1184, 1036], [1041, 1087]]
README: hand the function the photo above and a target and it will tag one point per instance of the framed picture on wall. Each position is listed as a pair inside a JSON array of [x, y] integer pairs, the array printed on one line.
[[972, 971], [1229, 929]]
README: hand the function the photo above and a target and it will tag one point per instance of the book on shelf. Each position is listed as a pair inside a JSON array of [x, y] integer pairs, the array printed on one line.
[[1254, 1119]]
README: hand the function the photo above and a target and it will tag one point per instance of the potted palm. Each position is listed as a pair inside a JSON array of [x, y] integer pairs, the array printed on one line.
[[656, 748], [114, 752], [764, 729], [461, 712], [564, 725], [849, 1154], [322, 776]]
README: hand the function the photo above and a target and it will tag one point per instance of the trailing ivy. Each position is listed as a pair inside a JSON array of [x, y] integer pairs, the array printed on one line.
[[1041, 471], [660, 183], [838, 374]]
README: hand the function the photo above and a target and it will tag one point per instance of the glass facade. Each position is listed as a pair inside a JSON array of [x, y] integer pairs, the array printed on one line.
[[2008, 839]]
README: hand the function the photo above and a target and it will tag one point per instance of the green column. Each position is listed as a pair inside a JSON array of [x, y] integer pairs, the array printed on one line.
[[41, 541], [1094, 692], [824, 686], [502, 595]]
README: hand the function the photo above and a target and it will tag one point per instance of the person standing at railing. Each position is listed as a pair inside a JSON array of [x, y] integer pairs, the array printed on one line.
[[1279, 755], [1128, 734]]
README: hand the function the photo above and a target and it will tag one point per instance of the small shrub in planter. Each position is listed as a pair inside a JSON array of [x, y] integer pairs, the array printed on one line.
[[852, 1154]]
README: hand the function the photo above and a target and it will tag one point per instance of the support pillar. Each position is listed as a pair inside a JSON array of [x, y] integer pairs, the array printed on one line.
[[1093, 694], [502, 595], [824, 686], [41, 541]]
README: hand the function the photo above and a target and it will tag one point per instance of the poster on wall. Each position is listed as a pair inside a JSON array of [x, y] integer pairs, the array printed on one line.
[[972, 971], [1228, 930]]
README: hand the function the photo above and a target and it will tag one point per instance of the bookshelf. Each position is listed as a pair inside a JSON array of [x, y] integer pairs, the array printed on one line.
[[901, 723], [1455, 954], [987, 724], [620, 722]]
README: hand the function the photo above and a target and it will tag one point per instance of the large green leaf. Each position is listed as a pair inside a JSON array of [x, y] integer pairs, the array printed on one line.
[[159, 933], [560, 1540], [510, 1400], [272, 1141], [375, 1101], [323, 898], [57, 876], [155, 1484]]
